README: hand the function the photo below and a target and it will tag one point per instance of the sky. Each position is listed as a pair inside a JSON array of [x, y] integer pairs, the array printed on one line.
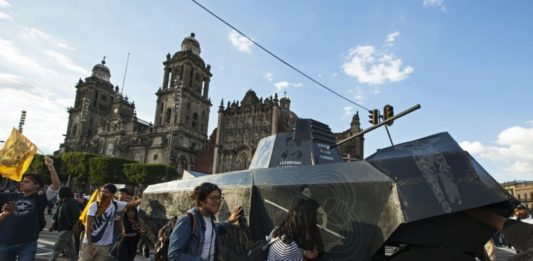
[[467, 63]]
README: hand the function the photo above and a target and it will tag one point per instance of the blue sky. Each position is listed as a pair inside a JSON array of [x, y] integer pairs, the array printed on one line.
[[468, 63]]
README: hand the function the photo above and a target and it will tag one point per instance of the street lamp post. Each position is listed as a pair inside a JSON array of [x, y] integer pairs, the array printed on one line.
[[22, 120]]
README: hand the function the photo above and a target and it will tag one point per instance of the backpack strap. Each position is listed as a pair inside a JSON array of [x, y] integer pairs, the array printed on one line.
[[193, 223]]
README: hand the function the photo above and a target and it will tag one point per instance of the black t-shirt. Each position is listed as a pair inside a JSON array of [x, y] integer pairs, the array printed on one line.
[[25, 224]]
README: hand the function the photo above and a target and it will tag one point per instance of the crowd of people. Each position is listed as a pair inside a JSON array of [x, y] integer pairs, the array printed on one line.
[[109, 221]]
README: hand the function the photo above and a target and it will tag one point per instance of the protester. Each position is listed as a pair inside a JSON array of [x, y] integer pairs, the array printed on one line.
[[22, 217], [200, 243], [99, 227], [516, 233], [297, 230], [131, 233], [521, 213], [125, 195], [66, 218], [79, 228]]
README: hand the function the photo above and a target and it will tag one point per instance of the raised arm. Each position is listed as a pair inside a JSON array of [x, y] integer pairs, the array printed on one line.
[[53, 173], [133, 203]]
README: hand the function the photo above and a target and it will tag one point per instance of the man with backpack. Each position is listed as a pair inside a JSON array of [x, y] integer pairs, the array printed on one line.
[[99, 227], [65, 218], [22, 216], [194, 235]]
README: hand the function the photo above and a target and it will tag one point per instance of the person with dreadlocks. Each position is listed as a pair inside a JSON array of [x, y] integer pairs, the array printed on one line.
[[195, 234], [297, 230], [99, 228]]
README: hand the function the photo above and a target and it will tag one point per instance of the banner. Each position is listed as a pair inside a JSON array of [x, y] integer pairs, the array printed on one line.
[[94, 197], [16, 156]]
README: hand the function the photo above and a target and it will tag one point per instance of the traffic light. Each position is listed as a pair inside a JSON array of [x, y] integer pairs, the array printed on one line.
[[388, 112], [374, 116]]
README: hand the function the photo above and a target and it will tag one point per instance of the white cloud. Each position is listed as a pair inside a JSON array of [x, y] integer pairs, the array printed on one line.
[[5, 16], [11, 79], [41, 37], [66, 62], [65, 45], [269, 76], [10, 54], [435, 3], [45, 115], [391, 38], [240, 42], [34, 34], [4, 3], [358, 94], [373, 66], [514, 148], [286, 85], [347, 112]]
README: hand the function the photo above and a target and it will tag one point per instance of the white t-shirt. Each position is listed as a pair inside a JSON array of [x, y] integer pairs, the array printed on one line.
[[208, 250], [102, 227]]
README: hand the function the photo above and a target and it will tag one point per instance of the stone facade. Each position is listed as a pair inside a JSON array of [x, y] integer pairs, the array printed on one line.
[[103, 121], [242, 125], [521, 190], [353, 149]]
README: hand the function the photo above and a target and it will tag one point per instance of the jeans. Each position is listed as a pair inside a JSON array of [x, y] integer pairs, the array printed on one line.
[[25, 252], [64, 241]]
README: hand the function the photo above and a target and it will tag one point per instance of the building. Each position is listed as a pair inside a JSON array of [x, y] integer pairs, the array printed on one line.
[[103, 121], [242, 125], [521, 190]]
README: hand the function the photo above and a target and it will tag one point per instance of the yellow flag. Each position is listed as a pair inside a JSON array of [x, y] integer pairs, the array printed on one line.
[[16, 156], [94, 197]]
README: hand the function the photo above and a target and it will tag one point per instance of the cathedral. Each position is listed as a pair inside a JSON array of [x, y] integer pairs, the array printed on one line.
[[103, 121]]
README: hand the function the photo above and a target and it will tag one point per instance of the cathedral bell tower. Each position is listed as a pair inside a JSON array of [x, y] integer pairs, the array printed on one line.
[[92, 103], [183, 103]]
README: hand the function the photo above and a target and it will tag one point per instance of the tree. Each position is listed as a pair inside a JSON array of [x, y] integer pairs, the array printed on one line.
[[76, 164], [148, 174], [107, 170]]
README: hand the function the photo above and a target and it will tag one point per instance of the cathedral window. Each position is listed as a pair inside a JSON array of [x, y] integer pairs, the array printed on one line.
[[155, 156], [194, 120], [168, 115], [74, 129]]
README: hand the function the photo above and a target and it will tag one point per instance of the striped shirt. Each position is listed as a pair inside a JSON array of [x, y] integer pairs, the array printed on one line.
[[280, 251]]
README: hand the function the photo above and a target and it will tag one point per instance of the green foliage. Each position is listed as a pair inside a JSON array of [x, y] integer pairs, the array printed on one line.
[[77, 165], [148, 174], [37, 166], [107, 170]]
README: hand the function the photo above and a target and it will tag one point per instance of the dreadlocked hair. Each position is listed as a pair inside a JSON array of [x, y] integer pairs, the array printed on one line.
[[298, 226], [200, 193]]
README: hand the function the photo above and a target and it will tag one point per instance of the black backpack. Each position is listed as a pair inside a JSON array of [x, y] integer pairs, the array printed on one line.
[[163, 237], [259, 250]]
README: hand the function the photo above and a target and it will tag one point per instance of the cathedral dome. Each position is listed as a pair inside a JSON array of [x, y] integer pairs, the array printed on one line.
[[101, 71], [190, 43]]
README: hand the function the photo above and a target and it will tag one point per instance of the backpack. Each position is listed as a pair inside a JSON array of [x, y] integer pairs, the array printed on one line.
[[163, 237], [259, 250]]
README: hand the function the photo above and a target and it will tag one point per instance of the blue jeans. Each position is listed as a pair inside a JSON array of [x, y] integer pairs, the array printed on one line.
[[25, 252]]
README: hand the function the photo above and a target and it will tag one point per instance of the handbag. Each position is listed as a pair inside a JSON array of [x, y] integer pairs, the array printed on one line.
[[116, 247]]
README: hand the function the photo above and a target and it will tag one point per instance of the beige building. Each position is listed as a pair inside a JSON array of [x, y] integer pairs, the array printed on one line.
[[521, 190]]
